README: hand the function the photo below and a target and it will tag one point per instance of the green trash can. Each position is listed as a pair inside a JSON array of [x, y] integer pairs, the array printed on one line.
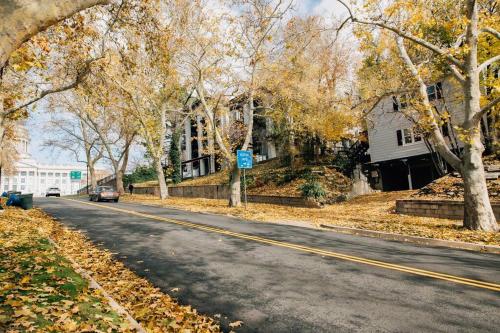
[[26, 201]]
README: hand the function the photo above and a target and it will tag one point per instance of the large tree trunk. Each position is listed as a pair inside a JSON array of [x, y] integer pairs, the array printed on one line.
[[161, 179], [22, 19], [478, 213], [235, 187], [121, 171], [119, 182]]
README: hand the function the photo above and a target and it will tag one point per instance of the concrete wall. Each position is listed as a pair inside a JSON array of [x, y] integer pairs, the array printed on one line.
[[222, 192], [448, 209]]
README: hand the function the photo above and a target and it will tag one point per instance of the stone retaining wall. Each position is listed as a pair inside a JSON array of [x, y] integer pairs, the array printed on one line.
[[222, 192], [447, 209]]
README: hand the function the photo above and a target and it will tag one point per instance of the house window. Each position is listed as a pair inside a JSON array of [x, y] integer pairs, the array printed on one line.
[[400, 102], [408, 136], [32, 173], [51, 174], [43, 174], [6, 188], [23, 180], [65, 175], [435, 91], [23, 173], [58, 174], [23, 187]]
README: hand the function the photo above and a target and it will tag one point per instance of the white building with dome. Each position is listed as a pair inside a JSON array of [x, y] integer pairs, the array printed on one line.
[[33, 177]]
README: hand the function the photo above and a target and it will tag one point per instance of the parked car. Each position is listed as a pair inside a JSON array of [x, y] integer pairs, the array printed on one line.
[[104, 193], [53, 192]]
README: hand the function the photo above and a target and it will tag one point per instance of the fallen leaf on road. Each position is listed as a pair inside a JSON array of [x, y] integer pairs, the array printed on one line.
[[235, 324]]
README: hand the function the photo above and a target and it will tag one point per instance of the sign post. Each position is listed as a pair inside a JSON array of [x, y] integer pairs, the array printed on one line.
[[244, 159]]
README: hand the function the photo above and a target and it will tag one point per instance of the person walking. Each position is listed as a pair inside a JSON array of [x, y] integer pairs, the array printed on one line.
[[131, 188]]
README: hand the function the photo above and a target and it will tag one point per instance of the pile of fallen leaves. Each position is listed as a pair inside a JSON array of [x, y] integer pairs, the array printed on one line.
[[154, 310], [452, 187], [371, 212], [40, 291]]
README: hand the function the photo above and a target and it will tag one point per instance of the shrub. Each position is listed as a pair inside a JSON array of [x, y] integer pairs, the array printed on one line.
[[313, 189]]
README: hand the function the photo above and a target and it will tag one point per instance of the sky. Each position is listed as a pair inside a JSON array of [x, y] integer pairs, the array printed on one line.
[[35, 124]]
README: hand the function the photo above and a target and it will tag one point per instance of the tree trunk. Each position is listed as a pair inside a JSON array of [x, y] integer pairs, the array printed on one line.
[[119, 182], [235, 187], [161, 179], [93, 178], [478, 213], [121, 171]]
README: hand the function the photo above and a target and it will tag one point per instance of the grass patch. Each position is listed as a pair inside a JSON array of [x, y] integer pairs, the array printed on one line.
[[40, 291]]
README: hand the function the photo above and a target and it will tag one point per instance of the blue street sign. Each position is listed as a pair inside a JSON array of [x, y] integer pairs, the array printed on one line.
[[245, 159]]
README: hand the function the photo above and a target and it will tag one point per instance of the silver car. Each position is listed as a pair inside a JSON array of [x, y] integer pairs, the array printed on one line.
[[53, 192], [104, 193]]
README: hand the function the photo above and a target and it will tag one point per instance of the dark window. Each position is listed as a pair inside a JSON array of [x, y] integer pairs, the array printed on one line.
[[400, 137], [445, 130], [395, 104], [435, 91]]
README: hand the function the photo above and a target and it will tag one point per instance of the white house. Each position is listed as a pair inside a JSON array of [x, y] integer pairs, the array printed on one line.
[[401, 158]]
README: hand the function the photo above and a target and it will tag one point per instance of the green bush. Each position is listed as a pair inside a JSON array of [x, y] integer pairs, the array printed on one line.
[[250, 180], [313, 189], [142, 173]]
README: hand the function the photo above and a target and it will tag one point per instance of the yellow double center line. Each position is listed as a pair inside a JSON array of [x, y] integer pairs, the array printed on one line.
[[377, 263]]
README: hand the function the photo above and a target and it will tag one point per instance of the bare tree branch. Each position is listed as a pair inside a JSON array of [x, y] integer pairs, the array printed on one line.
[[491, 31], [488, 62]]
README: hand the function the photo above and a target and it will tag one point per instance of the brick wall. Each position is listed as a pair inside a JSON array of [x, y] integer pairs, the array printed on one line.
[[447, 209], [222, 192]]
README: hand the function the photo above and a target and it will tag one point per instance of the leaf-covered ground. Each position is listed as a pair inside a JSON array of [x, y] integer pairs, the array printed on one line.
[[271, 178], [40, 291], [451, 187], [24, 242], [371, 212]]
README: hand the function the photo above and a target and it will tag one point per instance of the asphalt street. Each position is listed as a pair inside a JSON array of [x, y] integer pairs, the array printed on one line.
[[264, 275]]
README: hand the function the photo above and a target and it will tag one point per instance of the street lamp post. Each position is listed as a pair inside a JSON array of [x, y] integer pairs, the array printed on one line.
[[87, 176]]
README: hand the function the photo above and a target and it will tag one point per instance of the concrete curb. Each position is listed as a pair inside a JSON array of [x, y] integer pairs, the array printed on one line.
[[415, 239], [93, 284]]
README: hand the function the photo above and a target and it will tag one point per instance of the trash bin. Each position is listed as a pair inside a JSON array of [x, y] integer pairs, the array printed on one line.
[[26, 201]]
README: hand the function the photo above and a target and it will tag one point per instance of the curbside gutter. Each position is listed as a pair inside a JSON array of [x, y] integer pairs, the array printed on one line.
[[414, 239]]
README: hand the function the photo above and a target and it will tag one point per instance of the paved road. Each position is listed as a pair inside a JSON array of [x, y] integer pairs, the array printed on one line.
[[276, 288]]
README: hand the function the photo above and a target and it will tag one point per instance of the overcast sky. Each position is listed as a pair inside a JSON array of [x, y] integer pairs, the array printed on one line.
[[327, 8]]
